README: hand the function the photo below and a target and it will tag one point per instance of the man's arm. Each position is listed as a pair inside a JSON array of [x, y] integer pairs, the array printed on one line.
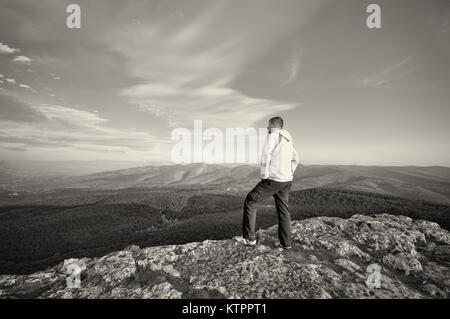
[[294, 161], [269, 145]]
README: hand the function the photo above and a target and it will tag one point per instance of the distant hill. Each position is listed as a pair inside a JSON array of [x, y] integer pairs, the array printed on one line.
[[30, 169], [427, 183]]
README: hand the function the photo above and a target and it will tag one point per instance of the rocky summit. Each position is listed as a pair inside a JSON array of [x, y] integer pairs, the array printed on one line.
[[380, 256]]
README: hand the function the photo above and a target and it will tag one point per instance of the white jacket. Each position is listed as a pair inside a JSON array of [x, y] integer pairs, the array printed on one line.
[[279, 158]]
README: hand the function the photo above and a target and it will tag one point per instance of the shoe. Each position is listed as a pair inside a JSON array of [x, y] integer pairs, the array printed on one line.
[[278, 245], [245, 241]]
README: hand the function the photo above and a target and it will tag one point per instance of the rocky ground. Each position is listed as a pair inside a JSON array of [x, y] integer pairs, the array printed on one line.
[[331, 258]]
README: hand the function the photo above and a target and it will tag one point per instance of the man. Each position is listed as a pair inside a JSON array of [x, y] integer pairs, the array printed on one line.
[[278, 163]]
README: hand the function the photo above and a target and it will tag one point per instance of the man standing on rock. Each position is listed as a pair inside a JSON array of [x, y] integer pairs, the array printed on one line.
[[278, 163]]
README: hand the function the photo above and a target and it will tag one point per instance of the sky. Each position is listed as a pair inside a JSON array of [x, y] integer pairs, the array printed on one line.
[[116, 88]]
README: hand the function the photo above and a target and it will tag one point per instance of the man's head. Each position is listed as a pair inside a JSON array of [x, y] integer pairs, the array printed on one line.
[[275, 122]]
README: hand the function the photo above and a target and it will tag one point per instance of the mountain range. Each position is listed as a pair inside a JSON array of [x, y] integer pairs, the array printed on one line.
[[431, 183]]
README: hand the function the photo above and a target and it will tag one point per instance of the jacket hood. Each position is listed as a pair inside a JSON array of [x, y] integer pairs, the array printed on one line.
[[285, 134]]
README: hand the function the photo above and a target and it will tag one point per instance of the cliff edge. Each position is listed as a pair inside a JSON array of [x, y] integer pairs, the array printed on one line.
[[380, 256]]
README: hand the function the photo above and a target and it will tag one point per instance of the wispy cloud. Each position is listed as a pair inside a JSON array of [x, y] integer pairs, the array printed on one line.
[[293, 64], [27, 87], [22, 59], [393, 72], [6, 49], [15, 110], [188, 77], [56, 127], [10, 80]]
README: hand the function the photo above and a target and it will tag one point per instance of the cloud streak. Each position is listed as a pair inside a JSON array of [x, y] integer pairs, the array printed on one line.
[[293, 64], [22, 59], [189, 76], [391, 73], [6, 49], [59, 127]]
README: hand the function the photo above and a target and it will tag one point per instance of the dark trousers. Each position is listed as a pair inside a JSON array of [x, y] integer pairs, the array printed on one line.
[[263, 190]]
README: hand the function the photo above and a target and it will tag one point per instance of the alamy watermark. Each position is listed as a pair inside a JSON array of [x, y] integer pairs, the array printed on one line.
[[374, 19], [73, 271], [214, 146], [374, 278], [73, 21], [74, 18]]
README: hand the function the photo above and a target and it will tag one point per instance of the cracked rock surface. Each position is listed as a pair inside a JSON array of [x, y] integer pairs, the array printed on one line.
[[331, 258]]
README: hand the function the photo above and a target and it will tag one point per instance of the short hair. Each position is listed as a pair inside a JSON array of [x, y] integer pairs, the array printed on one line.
[[278, 121]]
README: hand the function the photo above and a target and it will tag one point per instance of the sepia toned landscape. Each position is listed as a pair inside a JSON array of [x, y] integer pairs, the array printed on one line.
[[139, 139], [44, 220]]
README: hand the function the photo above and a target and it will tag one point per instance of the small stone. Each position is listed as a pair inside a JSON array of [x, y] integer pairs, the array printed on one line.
[[347, 264]]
